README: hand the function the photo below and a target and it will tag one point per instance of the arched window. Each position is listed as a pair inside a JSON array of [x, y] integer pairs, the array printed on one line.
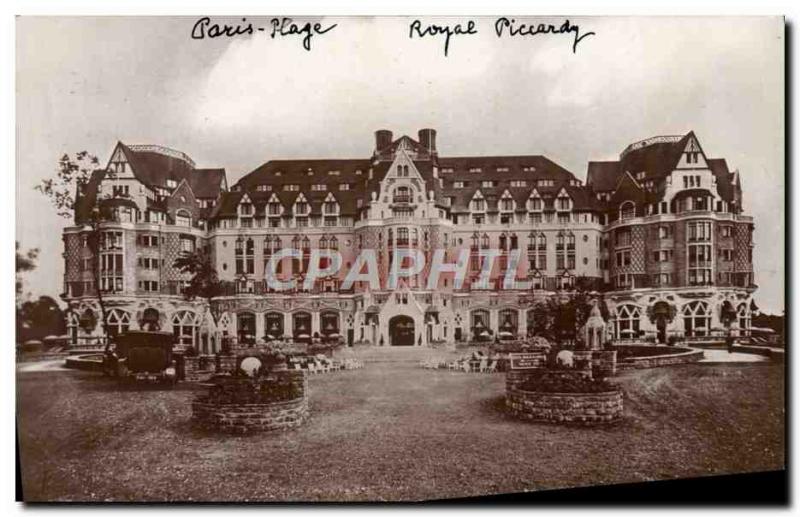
[[118, 322], [743, 314], [273, 324], [627, 210], [329, 321], [628, 317], [150, 319], [185, 326], [301, 326], [480, 323], [508, 323], [485, 242], [696, 318], [246, 327], [183, 218]]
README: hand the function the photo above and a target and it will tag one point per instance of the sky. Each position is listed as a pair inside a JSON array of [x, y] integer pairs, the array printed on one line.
[[86, 83]]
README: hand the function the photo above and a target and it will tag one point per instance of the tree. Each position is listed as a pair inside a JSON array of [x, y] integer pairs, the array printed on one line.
[[25, 262], [40, 318], [560, 317], [77, 181], [204, 282]]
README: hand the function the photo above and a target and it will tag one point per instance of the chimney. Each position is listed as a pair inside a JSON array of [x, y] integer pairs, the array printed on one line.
[[383, 137], [427, 137]]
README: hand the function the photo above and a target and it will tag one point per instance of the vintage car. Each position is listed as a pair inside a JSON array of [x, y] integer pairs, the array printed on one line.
[[140, 355]]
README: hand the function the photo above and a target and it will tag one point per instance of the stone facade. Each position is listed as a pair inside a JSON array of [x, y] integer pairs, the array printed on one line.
[[661, 231]]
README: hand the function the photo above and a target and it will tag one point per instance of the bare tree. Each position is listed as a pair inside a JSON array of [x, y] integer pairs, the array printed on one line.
[[77, 181]]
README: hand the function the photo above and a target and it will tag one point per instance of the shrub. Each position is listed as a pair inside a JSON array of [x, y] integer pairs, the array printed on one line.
[[565, 382]]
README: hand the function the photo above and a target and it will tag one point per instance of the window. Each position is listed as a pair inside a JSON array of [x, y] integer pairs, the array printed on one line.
[[172, 183], [700, 263], [458, 184], [478, 205], [244, 253], [696, 318], [563, 203], [245, 209], [488, 183], [183, 218], [519, 183], [187, 244], [344, 186], [662, 256], [725, 230], [699, 231], [624, 281], [291, 188], [664, 232], [623, 258], [319, 187], [185, 327], [727, 255], [535, 204], [475, 169], [662, 279], [148, 263], [623, 236], [628, 318], [545, 183], [117, 322], [149, 286], [301, 208], [537, 251], [627, 210]]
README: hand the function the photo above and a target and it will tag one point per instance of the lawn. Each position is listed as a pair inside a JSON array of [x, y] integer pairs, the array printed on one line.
[[391, 431]]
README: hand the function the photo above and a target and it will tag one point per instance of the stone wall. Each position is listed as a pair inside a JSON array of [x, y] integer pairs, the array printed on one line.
[[197, 369], [577, 408], [250, 418]]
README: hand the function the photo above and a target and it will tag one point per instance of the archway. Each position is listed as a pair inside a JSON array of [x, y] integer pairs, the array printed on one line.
[[401, 331]]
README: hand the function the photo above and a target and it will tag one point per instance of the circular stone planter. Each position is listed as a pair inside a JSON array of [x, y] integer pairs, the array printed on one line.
[[652, 356], [565, 408], [250, 418]]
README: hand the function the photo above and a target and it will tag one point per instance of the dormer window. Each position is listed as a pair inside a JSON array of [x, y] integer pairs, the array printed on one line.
[[333, 173], [319, 187], [245, 209], [627, 210], [475, 169], [458, 184], [563, 202], [301, 208], [478, 205], [488, 184], [545, 183], [291, 188], [172, 183]]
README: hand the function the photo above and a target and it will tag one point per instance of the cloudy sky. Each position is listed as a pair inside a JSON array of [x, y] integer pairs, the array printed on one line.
[[84, 83]]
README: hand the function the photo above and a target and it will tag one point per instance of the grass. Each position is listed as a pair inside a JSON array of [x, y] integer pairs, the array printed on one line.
[[391, 431]]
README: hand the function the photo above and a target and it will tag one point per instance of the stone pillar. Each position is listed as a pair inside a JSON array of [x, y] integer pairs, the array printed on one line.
[[494, 325], [287, 324], [260, 330], [522, 318], [315, 327]]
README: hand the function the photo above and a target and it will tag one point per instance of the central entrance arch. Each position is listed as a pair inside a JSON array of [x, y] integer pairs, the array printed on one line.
[[401, 331]]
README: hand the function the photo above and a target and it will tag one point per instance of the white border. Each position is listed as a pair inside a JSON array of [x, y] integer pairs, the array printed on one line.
[[790, 8]]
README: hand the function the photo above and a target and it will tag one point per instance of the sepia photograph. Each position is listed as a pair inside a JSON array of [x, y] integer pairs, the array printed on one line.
[[282, 259]]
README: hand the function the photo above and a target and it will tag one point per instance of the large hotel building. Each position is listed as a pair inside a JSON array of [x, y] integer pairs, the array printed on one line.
[[660, 233]]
